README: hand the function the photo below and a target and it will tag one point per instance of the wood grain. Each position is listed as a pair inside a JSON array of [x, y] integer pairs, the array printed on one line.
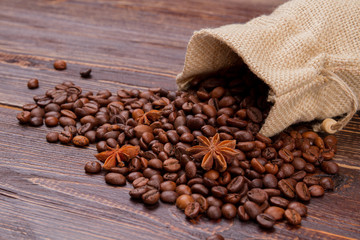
[[44, 192]]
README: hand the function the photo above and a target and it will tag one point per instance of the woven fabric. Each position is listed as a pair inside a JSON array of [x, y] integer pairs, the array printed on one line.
[[289, 50]]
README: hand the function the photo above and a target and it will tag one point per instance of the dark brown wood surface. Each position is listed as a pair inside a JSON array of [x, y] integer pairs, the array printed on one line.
[[44, 192]]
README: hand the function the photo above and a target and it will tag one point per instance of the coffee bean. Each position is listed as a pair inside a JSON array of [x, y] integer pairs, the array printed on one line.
[[265, 220], [192, 210], [171, 165], [51, 121], [243, 216], [228, 210], [60, 65], [330, 167], [139, 182], [168, 196], [236, 184], [286, 188], [213, 212], [276, 212], [270, 181], [279, 201], [115, 179], [134, 175], [257, 195], [199, 188], [190, 170], [92, 167], [316, 191], [299, 207], [252, 209], [292, 216], [183, 200], [33, 83], [327, 183], [254, 114], [52, 137], [219, 191], [151, 197], [24, 117], [29, 107], [136, 193], [302, 191]]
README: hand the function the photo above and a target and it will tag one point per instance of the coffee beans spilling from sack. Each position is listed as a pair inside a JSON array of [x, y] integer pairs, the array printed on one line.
[[200, 150]]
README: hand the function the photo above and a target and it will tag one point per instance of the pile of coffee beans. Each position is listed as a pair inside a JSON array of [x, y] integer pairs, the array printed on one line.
[[269, 179]]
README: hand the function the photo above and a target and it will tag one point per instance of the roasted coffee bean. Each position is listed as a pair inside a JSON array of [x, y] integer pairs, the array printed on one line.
[[66, 121], [65, 137], [151, 197], [24, 117], [254, 114], [219, 191], [213, 212], [122, 170], [115, 179], [330, 167], [183, 200], [51, 121], [213, 201], [265, 220], [134, 175], [228, 210], [168, 196], [286, 155], [299, 207], [192, 210], [52, 137], [183, 189], [257, 166], [33, 83], [80, 141], [272, 192], [299, 163], [92, 167], [302, 191], [298, 176], [37, 112], [200, 188], [311, 180], [136, 193], [327, 183], [243, 216], [252, 209], [60, 65], [139, 182], [270, 181], [292, 216], [257, 195], [279, 201], [171, 165], [190, 170], [276, 212], [236, 184], [316, 191]]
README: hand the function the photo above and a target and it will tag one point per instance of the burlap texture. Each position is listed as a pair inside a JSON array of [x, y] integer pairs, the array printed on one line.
[[290, 50]]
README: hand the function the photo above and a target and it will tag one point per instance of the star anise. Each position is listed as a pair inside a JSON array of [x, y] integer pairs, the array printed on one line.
[[117, 156], [148, 117], [213, 150]]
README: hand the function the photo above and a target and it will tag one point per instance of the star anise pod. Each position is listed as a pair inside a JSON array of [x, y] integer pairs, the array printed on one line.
[[213, 150], [117, 156], [148, 117]]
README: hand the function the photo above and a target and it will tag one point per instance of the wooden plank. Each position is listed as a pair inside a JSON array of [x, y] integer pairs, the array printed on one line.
[[44, 192]]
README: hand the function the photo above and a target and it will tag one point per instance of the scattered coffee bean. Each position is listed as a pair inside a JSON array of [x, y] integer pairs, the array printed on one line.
[[92, 167], [60, 65], [292, 216], [33, 83], [52, 137], [115, 179]]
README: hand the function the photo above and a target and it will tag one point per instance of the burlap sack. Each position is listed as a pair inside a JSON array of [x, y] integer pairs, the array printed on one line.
[[307, 51]]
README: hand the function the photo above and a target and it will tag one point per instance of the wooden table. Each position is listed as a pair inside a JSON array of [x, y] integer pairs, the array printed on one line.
[[44, 192]]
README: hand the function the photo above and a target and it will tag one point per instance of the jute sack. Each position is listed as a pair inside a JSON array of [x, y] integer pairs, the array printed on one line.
[[306, 51]]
